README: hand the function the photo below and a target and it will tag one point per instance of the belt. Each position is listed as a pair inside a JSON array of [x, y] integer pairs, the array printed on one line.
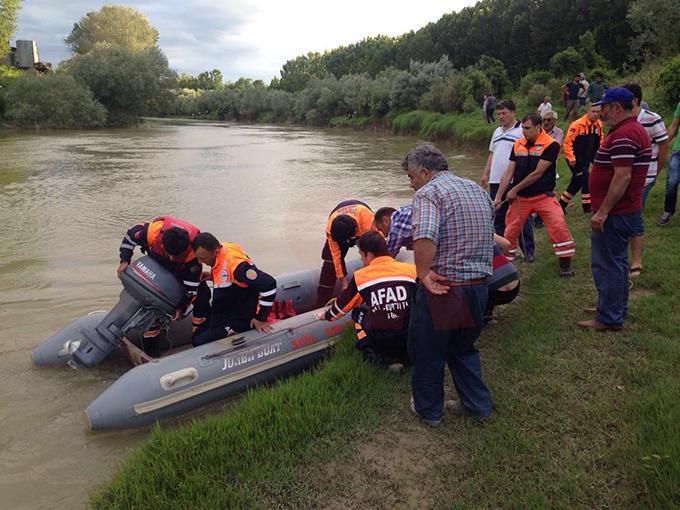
[[476, 281]]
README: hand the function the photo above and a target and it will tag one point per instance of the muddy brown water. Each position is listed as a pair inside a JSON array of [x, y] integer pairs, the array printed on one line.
[[66, 200]]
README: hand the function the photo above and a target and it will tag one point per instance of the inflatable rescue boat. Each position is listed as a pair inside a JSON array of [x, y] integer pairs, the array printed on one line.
[[188, 377]]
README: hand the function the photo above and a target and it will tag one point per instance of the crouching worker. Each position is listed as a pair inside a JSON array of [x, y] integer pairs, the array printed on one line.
[[168, 241], [242, 294], [503, 284], [379, 296], [345, 224]]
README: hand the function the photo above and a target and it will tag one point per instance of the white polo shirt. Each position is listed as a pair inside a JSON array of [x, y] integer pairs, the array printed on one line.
[[501, 147], [653, 124]]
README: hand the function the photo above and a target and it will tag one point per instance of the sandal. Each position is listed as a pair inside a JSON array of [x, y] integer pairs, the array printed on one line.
[[635, 271]]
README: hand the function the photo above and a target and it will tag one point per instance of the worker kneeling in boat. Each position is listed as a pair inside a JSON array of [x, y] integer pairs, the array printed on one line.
[[167, 240], [385, 287], [242, 294], [345, 224]]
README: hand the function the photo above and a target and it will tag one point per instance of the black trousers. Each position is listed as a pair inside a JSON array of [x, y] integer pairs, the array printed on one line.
[[328, 278], [380, 346]]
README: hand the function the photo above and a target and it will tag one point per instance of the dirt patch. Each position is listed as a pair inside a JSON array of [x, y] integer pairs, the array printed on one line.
[[395, 468]]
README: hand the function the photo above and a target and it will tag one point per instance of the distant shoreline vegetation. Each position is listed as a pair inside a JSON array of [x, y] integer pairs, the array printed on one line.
[[415, 83]]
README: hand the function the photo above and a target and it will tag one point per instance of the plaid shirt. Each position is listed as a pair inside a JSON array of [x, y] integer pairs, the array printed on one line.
[[401, 231], [457, 216]]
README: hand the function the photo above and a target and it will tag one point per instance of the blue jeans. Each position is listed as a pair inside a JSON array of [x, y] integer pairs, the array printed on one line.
[[645, 192], [672, 181], [443, 330], [526, 238], [609, 264]]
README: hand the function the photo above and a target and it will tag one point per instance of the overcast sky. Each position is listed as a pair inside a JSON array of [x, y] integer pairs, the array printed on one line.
[[241, 38]]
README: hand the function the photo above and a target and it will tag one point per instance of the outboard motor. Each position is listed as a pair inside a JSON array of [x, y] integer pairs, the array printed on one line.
[[150, 293]]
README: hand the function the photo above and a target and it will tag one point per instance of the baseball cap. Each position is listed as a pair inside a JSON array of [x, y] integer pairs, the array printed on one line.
[[615, 95]]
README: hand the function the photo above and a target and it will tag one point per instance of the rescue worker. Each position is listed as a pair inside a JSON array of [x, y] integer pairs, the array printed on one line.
[[531, 178], [242, 294], [580, 146], [345, 224], [503, 284], [379, 296], [167, 240]]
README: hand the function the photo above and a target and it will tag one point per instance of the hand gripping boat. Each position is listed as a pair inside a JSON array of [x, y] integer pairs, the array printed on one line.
[[195, 376]]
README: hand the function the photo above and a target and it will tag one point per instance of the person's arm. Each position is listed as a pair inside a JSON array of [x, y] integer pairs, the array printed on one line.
[[425, 233], [400, 232], [348, 299], [502, 243], [265, 285], [484, 181], [135, 236], [336, 254], [506, 179], [568, 145], [565, 90], [663, 154], [673, 130], [548, 158], [617, 187]]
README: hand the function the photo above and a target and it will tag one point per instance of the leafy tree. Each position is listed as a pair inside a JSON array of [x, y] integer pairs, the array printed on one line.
[[209, 80], [129, 84], [534, 78], [567, 62], [53, 101], [448, 94], [536, 94], [408, 87], [297, 73], [655, 23], [668, 85], [496, 72], [588, 50], [114, 25], [481, 84], [7, 76], [8, 23]]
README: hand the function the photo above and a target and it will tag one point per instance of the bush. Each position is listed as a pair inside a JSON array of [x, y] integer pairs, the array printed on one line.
[[53, 101], [567, 62], [536, 95], [534, 78], [7, 76], [668, 85], [130, 84]]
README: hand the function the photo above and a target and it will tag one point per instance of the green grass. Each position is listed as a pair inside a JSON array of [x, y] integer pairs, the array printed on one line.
[[250, 455], [582, 419]]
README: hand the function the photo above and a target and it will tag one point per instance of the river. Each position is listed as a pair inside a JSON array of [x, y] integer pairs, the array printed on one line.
[[66, 199]]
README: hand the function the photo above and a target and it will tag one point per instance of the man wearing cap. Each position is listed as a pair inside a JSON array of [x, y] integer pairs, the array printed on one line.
[[616, 182]]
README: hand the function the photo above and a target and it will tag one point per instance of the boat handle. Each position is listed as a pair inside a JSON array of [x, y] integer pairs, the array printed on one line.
[[291, 285], [179, 378]]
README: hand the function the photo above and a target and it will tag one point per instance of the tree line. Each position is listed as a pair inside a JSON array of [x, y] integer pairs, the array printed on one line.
[[528, 49]]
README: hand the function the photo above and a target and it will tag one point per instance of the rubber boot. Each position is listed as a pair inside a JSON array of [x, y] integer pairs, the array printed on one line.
[[565, 267]]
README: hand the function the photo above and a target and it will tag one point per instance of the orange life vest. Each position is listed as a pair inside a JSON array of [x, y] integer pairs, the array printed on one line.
[[228, 259], [154, 236]]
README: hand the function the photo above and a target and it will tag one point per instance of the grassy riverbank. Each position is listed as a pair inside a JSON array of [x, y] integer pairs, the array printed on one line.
[[582, 419]]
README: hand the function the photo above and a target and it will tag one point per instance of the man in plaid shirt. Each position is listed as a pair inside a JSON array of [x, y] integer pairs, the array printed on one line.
[[453, 251]]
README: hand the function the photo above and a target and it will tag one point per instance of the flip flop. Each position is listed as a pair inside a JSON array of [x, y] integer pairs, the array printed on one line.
[[635, 271]]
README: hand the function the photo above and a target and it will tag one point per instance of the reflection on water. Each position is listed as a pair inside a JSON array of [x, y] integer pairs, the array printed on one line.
[[66, 201]]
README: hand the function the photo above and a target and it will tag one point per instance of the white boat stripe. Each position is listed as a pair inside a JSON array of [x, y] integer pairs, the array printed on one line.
[[218, 382], [386, 279]]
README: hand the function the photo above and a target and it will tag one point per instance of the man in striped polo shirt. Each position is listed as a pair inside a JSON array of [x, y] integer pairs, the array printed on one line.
[[653, 124], [616, 182], [502, 141]]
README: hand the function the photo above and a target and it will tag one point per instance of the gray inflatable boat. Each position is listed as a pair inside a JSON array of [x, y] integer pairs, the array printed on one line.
[[191, 376]]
